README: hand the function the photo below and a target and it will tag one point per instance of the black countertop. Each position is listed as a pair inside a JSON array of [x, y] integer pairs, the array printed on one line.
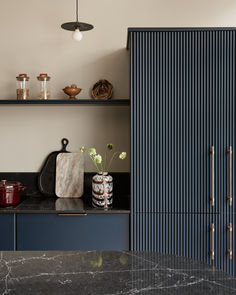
[[109, 273], [44, 205], [34, 202]]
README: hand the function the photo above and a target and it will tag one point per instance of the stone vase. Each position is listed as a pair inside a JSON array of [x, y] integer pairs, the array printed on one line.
[[102, 190]]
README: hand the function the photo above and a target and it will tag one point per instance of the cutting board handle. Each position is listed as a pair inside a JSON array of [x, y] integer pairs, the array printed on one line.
[[65, 143]]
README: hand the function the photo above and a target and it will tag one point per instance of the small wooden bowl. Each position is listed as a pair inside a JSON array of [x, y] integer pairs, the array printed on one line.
[[72, 92]]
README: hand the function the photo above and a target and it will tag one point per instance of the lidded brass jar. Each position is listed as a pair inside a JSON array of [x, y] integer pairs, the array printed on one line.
[[44, 87], [22, 87]]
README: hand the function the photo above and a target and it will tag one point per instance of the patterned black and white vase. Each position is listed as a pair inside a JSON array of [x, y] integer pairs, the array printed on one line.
[[102, 186]]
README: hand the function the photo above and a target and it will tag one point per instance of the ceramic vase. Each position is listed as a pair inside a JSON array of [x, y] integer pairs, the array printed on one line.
[[102, 190]]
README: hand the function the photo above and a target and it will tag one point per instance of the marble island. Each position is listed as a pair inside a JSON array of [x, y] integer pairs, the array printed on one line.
[[109, 273]]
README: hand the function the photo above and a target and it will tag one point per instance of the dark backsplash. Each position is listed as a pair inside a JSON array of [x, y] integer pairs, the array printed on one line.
[[30, 180]]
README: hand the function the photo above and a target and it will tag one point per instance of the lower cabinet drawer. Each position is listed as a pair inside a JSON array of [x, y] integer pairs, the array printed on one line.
[[7, 229], [90, 232]]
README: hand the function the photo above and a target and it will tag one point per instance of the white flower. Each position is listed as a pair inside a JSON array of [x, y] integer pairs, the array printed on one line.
[[123, 155], [92, 152], [82, 149], [98, 159]]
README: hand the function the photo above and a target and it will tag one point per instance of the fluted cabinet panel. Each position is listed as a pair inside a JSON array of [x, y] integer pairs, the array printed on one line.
[[183, 92], [183, 142], [186, 235]]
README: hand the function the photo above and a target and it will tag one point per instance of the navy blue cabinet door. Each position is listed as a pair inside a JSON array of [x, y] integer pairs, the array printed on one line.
[[190, 235], [91, 232], [182, 108], [7, 230], [183, 103]]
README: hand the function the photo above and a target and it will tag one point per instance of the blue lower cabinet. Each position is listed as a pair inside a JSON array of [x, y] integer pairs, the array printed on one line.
[[7, 230], [90, 232], [202, 237], [178, 234]]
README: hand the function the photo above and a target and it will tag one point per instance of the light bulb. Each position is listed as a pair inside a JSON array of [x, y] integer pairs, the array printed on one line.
[[77, 35]]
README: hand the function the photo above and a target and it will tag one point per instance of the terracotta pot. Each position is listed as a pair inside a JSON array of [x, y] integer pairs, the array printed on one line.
[[10, 193], [72, 92]]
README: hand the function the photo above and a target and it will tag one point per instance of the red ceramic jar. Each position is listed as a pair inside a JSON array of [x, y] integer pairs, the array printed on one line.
[[10, 193]]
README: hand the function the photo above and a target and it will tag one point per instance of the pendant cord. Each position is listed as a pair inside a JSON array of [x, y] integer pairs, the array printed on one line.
[[77, 11]]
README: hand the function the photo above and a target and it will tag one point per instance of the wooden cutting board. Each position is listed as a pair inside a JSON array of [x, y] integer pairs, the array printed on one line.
[[69, 175], [47, 175]]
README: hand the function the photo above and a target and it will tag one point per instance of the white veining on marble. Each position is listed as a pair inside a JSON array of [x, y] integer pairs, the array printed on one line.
[[7, 290], [70, 175], [65, 282], [180, 271], [142, 275]]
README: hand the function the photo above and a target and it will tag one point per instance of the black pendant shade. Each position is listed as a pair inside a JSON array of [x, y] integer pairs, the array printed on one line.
[[72, 26]]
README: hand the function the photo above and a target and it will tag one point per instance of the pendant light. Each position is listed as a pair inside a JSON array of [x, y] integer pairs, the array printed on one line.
[[77, 27]]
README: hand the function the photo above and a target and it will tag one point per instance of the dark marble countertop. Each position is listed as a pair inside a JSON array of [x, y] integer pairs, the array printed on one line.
[[34, 202], [43, 205], [109, 273]]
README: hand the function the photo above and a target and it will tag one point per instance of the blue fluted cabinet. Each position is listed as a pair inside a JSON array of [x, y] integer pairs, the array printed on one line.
[[183, 142]]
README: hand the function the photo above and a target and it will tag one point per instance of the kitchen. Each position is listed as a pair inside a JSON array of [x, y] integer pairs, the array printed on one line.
[[46, 240]]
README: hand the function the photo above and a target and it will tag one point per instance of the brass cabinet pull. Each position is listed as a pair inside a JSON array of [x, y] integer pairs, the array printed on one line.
[[212, 231], [72, 214], [212, 197], [230, 251], [229, 198]]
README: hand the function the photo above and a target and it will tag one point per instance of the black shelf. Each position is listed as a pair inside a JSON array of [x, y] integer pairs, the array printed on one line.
[[111, 102]]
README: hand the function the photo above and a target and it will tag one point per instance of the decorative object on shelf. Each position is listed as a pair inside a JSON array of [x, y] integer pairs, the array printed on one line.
[[10, 193], [72, 91], [77, 27], [47, 175], [69, 175], [44, 87], [102, 183], [22, 88], [102, 90]]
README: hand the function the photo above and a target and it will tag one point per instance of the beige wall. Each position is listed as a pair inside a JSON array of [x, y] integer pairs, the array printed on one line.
[[32, 42]]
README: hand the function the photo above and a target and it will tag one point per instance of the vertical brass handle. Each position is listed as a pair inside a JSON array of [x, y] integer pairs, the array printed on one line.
[[230, 251], [212, 232], [212, 196], [229, 197]]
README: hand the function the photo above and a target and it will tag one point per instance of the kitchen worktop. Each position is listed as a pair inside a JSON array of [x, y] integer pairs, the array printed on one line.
[[34, 202], [109, 273], [43, 205]]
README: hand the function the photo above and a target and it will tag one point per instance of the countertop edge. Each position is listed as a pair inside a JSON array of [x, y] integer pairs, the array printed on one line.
[[9, 211]]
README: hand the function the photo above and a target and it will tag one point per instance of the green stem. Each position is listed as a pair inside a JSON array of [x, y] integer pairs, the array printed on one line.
[[112, 158], [102, 167], [105, 160], [95, 164]]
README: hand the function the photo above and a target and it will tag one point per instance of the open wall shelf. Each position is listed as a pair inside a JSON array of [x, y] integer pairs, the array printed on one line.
[[111, 102]]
